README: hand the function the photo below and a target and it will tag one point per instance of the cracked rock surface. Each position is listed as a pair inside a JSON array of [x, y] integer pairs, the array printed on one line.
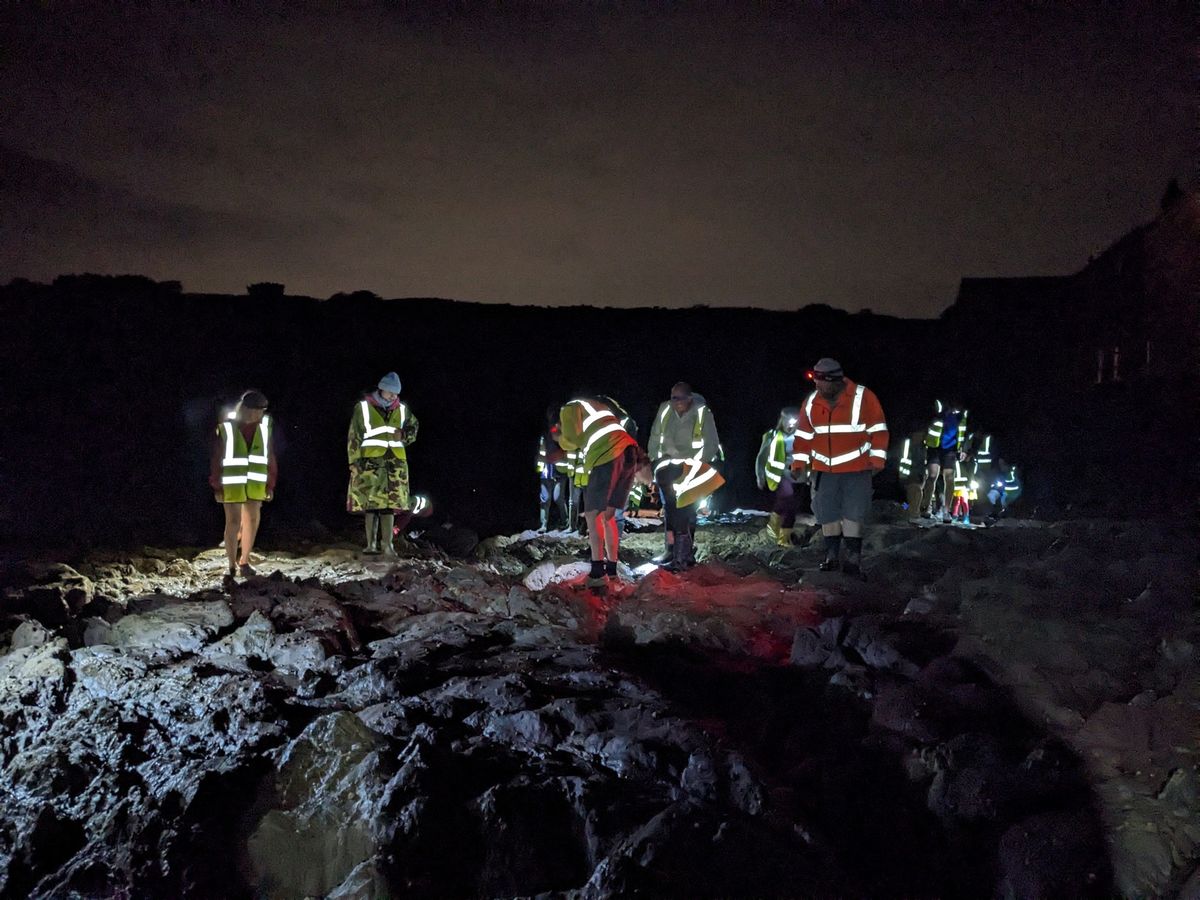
[[1012, 712]]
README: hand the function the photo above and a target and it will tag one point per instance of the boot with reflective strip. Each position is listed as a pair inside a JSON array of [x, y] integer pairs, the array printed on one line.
[[774, 525]]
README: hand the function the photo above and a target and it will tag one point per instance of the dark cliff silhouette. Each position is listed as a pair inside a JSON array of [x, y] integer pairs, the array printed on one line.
[[112, 386]]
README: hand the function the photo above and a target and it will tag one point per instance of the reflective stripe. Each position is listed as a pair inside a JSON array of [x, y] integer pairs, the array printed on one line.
[[692, 479], [846, 457], [838, 429], [256, 476], [256, 459], [233, 479], [882, 426], [856, 409], [601, 432], [881, 454]]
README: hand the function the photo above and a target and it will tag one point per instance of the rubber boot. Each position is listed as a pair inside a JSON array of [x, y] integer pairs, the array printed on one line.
[[853, 563], [785, 537], [371, 523], [668, 553], [774, 526], [833, 547], [387, 525], [682, 553], [691, 544]]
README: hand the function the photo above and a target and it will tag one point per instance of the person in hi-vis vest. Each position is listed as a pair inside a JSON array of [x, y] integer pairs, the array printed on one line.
[[242, 475], [381, 427]]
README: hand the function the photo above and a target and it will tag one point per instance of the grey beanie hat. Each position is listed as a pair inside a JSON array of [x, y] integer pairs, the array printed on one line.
[[390, 382], [827, 366]]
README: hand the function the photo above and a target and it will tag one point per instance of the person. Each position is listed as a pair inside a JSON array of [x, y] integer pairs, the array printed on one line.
[[381, 428], [242, 475], [773, 471], [555, 473], [965, 487], [945, 442], [842, 438], [912, 471], [684, 429], [607, 464], [685, 483], [1004, 490]]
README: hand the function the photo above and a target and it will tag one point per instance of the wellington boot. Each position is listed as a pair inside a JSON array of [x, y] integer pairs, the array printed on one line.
[[785, 537], [371, 524], [387, 525], [774, 526], [681, 554], [668, 553]]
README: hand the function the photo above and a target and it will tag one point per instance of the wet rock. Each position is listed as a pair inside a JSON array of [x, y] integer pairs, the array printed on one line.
[[30, 633], [171, 630], [330, 782]]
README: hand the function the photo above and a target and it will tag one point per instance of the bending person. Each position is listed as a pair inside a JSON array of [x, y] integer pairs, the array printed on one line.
[[607, 463], [381, 427], [242, 475]]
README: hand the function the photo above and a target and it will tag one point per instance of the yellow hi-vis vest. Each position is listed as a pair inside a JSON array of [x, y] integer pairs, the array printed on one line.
[[600, 439], [983, 453], [698, 480], [933, 437], [777, 461], [244, 469], [697, 432], [906, 462], [382, 434], [965, 484]]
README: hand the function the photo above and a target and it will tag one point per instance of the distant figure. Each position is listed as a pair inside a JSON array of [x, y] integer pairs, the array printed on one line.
[[555, 475], [1004, 490], [945, 442], [912, 471], [684, 430], [381, 427], [843, 438], [774, 471], [607, 466], [242, 475]]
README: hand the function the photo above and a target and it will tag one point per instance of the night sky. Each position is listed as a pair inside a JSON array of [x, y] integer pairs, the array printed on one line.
[[572, 153]]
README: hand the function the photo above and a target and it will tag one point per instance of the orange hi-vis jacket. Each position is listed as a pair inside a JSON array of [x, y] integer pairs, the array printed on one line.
[[850, 436]]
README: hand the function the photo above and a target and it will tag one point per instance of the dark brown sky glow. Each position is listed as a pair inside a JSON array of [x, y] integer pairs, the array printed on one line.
[[563, 154]]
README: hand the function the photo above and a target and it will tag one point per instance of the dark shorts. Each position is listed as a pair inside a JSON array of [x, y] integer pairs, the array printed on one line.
[[944, 458], [609, 484], [841, 495]]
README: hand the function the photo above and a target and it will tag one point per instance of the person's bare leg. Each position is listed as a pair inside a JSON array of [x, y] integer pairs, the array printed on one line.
[[251, 516], [612, 534], [233, 522], [596, 533], [928, 487], [948, 489]]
